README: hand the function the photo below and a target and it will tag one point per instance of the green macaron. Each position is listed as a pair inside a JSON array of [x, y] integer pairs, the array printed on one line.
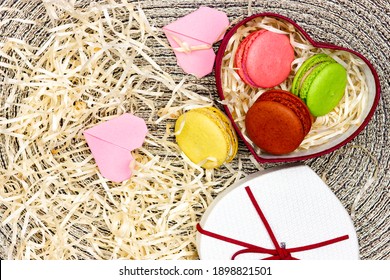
[[320, 82]]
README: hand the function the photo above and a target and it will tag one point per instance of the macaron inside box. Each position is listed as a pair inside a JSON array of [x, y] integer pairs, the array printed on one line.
[[263, 59], [278, 122], [236, 93]]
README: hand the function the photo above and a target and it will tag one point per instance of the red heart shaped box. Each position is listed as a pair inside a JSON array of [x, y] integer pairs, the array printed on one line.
[[373, 85]]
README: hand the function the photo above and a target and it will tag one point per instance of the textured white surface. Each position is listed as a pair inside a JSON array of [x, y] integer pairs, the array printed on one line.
[[299, 207]]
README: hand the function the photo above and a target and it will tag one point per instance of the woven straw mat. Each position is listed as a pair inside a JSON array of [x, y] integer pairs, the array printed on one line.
[[361, 25]]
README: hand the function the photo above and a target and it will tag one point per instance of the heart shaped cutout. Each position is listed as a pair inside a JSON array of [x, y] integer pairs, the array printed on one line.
[[111, 143], [334, 143]]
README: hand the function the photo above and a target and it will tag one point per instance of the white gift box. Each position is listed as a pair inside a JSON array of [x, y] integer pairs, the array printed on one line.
[[280, 213]]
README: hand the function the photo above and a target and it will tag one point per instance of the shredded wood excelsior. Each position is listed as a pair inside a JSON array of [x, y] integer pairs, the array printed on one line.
[[239, 97], [95, 64]]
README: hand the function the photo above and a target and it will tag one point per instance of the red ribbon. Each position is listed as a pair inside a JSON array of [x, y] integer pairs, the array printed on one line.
[[280, 252]]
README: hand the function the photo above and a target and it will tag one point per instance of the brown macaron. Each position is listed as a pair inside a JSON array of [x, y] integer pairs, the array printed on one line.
[[278, 122]]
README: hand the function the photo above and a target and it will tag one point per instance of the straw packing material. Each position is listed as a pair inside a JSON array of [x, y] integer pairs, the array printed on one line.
[[95, 64]]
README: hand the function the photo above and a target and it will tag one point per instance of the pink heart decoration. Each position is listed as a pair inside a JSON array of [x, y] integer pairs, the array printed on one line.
[[111, 144], [192, 38], [374, 95]]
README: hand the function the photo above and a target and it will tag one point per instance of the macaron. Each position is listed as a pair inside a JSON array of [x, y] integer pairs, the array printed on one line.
[[206, 137], [263, 59], [278, 122], [320, 82]]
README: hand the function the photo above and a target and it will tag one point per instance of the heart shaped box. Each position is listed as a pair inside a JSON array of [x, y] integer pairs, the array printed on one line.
[[287, 207], [373, 99]]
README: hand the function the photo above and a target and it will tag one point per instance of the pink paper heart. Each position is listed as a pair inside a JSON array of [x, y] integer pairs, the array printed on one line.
[[197, 32], [111, 144]]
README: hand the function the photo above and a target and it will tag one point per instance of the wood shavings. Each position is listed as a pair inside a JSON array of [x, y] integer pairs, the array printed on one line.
[[95, 64], [239, 97]]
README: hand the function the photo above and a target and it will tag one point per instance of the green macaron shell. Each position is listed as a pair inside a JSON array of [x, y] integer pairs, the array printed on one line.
[[305, 85], [305, 67], [326, 89], [320, 82]]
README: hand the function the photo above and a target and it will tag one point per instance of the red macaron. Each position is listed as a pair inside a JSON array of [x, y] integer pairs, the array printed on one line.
[[263, 59], [278, 122]]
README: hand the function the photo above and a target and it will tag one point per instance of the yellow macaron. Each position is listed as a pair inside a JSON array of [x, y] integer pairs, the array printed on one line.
[[206, 137]]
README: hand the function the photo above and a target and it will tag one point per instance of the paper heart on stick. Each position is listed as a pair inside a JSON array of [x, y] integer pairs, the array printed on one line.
[[111, 144], [192, 38]]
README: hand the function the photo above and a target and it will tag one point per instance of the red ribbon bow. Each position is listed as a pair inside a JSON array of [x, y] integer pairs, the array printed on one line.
[[280, 252]]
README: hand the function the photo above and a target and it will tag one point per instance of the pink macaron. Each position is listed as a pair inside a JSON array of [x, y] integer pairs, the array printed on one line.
[[263, 59]]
